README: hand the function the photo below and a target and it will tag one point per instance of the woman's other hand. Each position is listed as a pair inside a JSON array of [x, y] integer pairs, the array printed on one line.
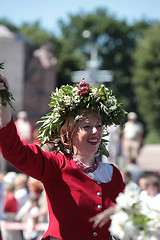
[[100, 219]]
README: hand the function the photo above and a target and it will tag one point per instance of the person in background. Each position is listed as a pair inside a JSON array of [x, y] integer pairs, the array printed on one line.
[[10, 210], [143, 186], [10, 206], [151, 198], [31, 218], [132, 137], [10, 203], [35, 187], [21, 190], [10, 177], [42, 214], [130, 185], [81, 190], [114, 144], [3, 165], [24, 127], [135, 170], [143, 183]]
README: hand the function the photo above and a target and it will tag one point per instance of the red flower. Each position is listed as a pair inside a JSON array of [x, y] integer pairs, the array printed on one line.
[[81, 93], [83, 88]]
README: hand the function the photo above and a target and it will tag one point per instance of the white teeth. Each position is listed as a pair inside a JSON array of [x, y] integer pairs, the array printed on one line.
[[93, 140]]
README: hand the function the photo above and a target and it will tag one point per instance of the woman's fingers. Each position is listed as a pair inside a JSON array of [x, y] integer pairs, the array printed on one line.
[[102, 218], [2, 86], [3, 83], [98, 221]]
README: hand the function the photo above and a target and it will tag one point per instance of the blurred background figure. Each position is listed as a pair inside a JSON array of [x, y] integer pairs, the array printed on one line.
[[132, 136], [35, 187], [10, 210], [10, 177], [24, 127], [151, 196], [21, 190], [130, 185], [114, 144], [10, 202], [142, 183], [3, 165], [135, 170], [31, 218], [10, 207]]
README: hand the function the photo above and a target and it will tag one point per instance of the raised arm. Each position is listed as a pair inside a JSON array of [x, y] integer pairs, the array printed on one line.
[[5, 111], [24, 157]]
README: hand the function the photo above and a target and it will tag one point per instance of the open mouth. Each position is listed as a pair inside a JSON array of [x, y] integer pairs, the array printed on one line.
[[93, 141]]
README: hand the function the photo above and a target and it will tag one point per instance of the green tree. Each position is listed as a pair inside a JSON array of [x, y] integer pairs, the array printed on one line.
[[10, 25], [146, 79]]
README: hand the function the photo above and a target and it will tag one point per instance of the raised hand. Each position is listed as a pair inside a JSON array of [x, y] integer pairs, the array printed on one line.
[[5, 95]]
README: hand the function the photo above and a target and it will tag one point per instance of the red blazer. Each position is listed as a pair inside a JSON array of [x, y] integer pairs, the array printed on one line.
[[72, 196]]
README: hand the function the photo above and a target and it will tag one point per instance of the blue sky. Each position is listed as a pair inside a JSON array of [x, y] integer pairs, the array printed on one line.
[[48, 12]]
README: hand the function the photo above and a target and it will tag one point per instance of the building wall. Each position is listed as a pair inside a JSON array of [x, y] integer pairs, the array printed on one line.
[[12, 53], [31, 73]]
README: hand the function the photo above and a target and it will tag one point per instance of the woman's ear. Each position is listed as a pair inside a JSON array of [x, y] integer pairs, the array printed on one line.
[[65, 139]]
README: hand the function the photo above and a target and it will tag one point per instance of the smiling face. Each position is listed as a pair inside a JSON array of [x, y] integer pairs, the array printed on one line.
[[87, 136]]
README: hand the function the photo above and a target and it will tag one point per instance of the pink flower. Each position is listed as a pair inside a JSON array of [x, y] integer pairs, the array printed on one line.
[[83, 88]]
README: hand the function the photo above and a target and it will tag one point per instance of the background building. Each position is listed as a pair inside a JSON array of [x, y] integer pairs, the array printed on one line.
[[30, 71]]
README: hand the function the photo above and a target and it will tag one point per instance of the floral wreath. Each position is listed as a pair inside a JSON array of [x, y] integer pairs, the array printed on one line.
[[69, 101]]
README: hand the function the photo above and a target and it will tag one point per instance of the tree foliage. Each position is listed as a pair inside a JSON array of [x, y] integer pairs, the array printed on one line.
[[146, 78], [35, 33]]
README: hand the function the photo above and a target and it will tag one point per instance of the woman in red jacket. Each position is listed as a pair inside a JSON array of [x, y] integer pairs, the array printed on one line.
[[81, 190]]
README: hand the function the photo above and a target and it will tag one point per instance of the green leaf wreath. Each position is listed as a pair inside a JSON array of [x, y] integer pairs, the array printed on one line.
[[6, 95], [69, 101]]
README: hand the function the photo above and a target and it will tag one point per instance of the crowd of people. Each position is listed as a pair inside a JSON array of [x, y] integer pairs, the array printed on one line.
[[73, 190], [24, 201]]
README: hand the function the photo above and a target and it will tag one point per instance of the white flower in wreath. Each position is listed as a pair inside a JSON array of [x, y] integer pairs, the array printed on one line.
[[67, 100]]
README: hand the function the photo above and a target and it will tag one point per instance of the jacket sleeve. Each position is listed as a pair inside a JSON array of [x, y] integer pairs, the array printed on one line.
[[29, 159]]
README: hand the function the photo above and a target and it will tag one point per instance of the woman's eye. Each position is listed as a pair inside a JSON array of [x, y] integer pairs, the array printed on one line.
[[86, 127], [99, 126]]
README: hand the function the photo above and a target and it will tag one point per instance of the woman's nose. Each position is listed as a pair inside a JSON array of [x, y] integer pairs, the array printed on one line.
[[94, 130]]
